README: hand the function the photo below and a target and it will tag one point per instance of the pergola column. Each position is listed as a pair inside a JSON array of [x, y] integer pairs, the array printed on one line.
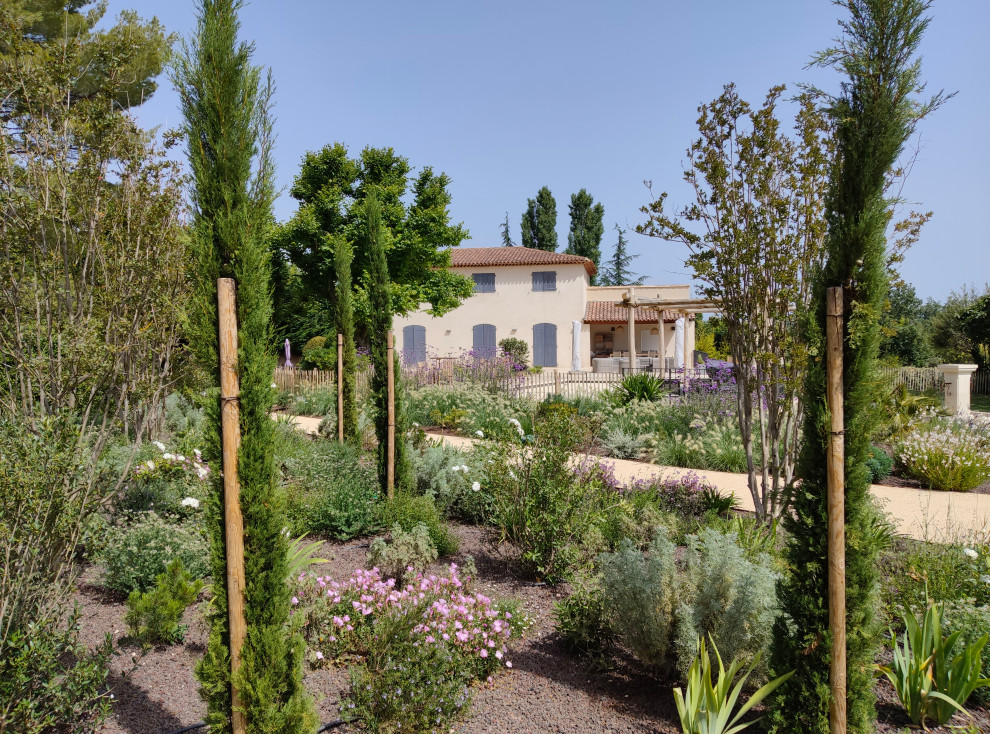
[[662, 351], [688, 359], [632, 331]]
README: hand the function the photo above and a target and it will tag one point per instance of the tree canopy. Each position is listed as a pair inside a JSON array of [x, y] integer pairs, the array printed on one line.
[[587, 227], [539, 222], [332, 188], [616, 269]]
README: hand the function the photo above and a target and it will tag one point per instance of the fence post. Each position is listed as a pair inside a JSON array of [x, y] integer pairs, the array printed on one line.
[[556, 382], [836, 513], [233, 521], [340, 387], [390, 457]]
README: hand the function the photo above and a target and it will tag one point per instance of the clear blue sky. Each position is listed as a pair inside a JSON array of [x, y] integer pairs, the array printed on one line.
[[509, 96]]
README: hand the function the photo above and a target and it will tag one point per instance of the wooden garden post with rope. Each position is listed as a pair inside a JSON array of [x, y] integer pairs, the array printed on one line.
[[233, 521], [340, 387], [390, 455], [836, 511]]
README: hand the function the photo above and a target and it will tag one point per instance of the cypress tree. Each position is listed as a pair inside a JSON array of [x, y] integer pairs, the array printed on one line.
[[380, 323], [585, 236], [539, 222], [226, 106], [875, 114], [344, 317]]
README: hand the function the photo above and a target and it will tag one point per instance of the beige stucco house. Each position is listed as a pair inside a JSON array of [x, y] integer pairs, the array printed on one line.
[[545, 299]]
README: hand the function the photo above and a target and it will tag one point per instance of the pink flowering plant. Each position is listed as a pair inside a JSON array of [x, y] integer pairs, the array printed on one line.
[[420, 646]]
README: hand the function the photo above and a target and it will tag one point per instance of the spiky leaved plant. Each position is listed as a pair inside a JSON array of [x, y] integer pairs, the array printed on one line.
[[225, 104], [874, 114]]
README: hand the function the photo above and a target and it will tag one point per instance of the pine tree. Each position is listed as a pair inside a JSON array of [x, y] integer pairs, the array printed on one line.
[[539, 222], [226, 103], [506, 235], [616, 271], [585, 236], [875, 114], [344, 320], [380, 323]]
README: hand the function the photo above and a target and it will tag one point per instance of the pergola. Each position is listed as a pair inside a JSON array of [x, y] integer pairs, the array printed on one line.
[[682, 307]]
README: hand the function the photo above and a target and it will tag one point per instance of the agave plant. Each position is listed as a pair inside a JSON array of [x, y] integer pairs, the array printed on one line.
[[706, 708], [642, 386], [932, 682]]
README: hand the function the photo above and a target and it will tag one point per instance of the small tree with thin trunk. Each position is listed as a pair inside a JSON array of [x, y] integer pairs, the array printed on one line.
[[759, 201], [380, 299], [875, 114], [226, 104], [344, 317]]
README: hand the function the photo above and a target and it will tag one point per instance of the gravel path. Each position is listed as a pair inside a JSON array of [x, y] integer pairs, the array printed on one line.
[[547, 691]]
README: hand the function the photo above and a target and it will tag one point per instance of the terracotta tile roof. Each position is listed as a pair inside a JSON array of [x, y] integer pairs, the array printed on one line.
[[473, 257], [606, 312]]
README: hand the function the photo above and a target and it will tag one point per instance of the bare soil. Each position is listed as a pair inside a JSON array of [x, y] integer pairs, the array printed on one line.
[[547, 691]]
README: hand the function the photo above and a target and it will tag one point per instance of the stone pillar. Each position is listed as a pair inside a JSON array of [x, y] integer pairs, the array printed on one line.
[[957, 377], [662, 349], [575, 346], [632, 331]]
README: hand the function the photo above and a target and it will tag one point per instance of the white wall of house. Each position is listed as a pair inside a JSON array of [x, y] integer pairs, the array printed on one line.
[[513, 309]]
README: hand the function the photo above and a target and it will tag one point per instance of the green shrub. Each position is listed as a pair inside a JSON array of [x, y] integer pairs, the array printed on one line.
[[660, 611], [313, 401], [515, 348], [616, 442], [319, 354], [413, 550], [920, 571], [642, 386], [582, 620], [137, 553], [165, 483], [945, 455], [540, 504], [443, 473], [50, 681], [156, 616], [184, 422], [331, 490], [880, 464], [485, 411], [408, 511], [709, 443]]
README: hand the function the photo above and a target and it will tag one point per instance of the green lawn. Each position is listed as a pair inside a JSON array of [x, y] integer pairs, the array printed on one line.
[[980, 402]]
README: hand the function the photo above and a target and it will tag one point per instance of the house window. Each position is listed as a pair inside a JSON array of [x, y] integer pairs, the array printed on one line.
[[484, 282], [414, 344], [484, 340], [545, 345], [545, 281]]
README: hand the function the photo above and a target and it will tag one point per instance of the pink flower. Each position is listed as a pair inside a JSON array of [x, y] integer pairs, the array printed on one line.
[[295, 601], [319, 655]]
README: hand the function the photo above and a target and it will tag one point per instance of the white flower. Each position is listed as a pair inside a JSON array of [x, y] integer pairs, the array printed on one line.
[[274, 386], [512, 474], [202, 471], [985, 579], [475, 486], [199, 454], [479, 434], [151, 465], [415, 424], [168, 457], [160, 445], [971, 553], [180, 457], [190, 502]]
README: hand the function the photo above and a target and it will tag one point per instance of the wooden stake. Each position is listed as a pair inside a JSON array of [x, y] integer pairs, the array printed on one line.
[[233, 521], [556, 382], [390, 457], [340, 387], [836, 512]]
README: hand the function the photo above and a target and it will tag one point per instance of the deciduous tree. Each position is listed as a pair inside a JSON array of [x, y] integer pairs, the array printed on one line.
[[226, 104], [759, 209]]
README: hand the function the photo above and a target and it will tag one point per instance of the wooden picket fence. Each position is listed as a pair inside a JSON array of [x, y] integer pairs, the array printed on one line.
[[924, 379], [293, 380]]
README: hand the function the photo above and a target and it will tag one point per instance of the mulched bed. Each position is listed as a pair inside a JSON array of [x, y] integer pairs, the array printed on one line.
[[547, 691], [898, 481]]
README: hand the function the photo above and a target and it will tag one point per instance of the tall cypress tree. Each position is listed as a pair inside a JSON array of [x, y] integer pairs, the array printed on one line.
[[226, 103], [344, 317], [875, 114], [380, 323], [587, 228], [539, 222]]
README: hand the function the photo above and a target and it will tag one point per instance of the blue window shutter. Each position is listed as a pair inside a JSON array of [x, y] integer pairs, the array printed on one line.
[[484, 282], [545, 345], [484, 340], [545, 280], [414, 344]]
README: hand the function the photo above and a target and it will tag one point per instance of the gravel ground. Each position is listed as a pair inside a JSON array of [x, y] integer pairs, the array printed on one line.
[[548, 691]]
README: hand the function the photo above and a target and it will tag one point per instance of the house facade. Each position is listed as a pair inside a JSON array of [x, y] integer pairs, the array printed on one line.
[[546, 300]]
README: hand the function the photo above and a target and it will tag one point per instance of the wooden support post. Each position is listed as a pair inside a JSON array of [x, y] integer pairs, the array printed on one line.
[[340, 387], [836, 512], [390, 457], [233, 521], [556, 382]]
